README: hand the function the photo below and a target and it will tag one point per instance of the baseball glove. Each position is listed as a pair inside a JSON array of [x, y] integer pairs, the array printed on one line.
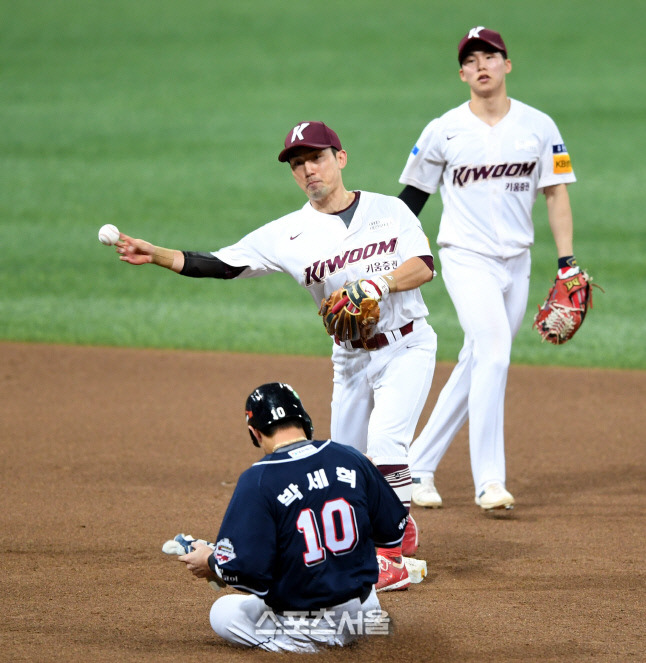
[[565, 307], [350, 313]]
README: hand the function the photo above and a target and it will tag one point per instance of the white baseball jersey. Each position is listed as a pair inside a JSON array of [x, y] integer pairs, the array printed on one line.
[[322, 254], [488, 176]]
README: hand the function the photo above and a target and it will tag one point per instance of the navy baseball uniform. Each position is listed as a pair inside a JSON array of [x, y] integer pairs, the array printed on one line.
[[318, 509], [298, 537]]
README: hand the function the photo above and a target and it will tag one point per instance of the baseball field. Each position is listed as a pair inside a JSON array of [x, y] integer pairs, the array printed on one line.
[[122, 389]]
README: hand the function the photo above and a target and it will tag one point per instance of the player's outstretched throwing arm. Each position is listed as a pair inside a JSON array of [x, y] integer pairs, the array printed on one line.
[[186, 263]]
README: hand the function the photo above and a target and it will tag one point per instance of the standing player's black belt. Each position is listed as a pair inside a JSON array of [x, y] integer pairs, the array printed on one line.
[[378, 341]]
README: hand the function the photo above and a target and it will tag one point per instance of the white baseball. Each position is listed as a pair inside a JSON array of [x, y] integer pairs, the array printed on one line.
[[108, 234]]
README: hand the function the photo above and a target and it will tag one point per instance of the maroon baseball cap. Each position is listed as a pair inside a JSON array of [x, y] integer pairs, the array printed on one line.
[[309, 134], [480, 34]]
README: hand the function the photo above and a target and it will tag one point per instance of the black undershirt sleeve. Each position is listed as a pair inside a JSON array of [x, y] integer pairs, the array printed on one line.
[[202, 265], [414, 198]]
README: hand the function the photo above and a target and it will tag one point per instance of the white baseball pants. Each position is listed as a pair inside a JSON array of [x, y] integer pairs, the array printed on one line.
[[378, 395], [490, 298], [246, 620]]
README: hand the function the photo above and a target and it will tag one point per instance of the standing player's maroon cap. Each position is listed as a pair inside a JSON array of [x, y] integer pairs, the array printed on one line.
[[309, 134], [480, 34]]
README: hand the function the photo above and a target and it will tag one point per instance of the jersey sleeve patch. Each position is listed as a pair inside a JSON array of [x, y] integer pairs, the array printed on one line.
[[415, 150], [561, 159], [224, 551]]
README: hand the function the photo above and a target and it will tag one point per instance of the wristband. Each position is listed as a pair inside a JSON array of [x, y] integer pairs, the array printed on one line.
[[392, 283], [567, 267], [163, 257], [567, 261]]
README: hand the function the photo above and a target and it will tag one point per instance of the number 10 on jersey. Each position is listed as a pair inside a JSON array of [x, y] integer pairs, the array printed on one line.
[[338, 523]]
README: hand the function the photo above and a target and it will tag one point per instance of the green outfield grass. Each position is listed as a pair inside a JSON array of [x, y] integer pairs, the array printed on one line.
[[166, 118]]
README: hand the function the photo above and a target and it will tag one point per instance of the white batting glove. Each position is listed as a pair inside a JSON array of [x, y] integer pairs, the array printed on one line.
[[376, 287]]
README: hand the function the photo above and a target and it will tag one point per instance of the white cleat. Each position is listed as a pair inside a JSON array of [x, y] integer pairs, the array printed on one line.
[[425, 493], [495, 496]]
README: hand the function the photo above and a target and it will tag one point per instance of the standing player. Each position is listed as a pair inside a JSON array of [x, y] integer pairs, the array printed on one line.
[[299, 536], [339, 236], [489, 157]]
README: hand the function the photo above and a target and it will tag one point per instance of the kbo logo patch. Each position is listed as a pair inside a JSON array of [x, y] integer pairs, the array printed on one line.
[[224, 551]]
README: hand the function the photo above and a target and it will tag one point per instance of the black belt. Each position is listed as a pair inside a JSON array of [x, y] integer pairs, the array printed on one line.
[[377, 341], [363, 597]]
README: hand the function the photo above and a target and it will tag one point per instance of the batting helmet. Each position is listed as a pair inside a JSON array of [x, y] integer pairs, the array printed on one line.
[[273, 403]]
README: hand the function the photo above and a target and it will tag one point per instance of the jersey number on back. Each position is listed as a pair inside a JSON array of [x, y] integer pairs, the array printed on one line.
[[339, 527]]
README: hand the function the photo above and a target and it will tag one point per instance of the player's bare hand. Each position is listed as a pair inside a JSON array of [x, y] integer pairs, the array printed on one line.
[[197, 561], [134, 251]]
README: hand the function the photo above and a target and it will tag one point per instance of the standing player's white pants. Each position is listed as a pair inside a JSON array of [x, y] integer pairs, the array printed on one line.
[[246, 620], [378, 397], [490, 298]]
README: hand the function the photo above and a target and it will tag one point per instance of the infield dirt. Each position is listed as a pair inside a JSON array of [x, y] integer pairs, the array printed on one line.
[[106, 453]]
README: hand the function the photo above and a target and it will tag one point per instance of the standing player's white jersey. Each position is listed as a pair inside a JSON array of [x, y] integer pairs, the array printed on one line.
[[488, 176], [322, 254]]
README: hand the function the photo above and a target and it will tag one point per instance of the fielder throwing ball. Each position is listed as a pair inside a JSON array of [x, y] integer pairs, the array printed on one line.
[[298, 537], [489, 157], [369, 246]]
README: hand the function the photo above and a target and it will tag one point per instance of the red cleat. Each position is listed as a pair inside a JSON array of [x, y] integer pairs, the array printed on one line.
[[393, 574]]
